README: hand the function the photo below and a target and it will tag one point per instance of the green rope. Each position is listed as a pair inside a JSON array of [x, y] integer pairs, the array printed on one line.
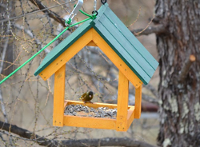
[[68, 21], [85, 13], [90, 17], [93, 16]]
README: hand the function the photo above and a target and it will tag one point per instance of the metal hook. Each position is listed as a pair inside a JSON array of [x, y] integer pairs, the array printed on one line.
[[103, 1], [75, 10]]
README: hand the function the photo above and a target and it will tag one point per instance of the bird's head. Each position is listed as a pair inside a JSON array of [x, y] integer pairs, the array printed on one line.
[[90, 94]]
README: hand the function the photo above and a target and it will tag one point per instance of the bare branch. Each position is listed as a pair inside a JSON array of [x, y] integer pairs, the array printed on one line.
[[186, 68], [75, 143], [152, 89], [127, 142], [24, 133], [1, 68], [29, 33], [4, 49], [50, 13], [157, 29]]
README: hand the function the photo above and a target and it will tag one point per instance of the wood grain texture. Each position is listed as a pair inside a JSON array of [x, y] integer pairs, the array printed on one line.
[[101, 123], [59, 94], [130, 116], [89, 122], [122, 103], [138, 101]]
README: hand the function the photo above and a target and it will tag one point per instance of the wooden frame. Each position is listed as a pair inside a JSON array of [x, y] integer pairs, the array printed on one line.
[[91, 37], [121, 123], [136, 65], [125, 113]]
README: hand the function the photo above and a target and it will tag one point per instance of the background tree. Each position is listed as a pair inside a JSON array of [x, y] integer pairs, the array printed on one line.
[[28, 100], [179, 88]]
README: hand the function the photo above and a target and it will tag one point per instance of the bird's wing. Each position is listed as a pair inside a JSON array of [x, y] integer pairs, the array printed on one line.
[[83, 96]]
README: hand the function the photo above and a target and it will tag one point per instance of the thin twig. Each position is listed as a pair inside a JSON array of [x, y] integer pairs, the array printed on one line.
[[51, 14], [1, 68], [145, 27], [136, 18], [29, 33], [157, 29], [43, 141], [152, 89]]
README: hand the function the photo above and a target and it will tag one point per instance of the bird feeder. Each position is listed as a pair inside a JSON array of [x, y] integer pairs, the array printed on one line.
[[134, 62]]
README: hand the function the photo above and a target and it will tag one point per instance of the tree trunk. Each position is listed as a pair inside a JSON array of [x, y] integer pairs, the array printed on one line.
[[179, 86]]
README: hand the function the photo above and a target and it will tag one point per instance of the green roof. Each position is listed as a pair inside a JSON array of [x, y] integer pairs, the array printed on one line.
[[119, 38]]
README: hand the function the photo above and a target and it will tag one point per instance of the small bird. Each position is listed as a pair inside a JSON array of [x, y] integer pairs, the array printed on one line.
[[87, 97]]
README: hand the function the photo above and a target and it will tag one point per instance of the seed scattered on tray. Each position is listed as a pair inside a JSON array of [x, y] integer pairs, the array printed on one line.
[[85, 111]]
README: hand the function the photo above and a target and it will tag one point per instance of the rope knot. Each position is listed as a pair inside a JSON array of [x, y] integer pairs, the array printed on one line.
[[68, 21]]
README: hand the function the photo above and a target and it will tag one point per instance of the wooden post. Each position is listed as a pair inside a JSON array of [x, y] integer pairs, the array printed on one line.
[[122, 103], [138, 101], [59, 94]]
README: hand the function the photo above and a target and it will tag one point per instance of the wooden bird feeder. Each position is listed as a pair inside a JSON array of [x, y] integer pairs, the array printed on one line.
[[134, 62]]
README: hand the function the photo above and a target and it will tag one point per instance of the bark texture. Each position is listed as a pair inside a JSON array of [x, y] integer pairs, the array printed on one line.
[[179, 86]]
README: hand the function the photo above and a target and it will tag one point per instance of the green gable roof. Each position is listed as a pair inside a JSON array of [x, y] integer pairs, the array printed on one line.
[[120, 39]]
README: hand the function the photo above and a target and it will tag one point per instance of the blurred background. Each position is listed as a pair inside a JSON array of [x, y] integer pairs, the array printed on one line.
[[28, 100]]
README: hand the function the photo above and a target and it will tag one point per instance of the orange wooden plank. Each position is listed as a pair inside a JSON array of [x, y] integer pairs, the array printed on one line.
[[89, 122], [94, 105], [122, 103], [59, 93], [119, 63], [66, 55], [138, 101], [130, 116], [91, 43]]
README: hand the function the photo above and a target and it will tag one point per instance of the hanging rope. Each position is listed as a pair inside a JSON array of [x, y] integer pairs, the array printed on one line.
[[93, 16]]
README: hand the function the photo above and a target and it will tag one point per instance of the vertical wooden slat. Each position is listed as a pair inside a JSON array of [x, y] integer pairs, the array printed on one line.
[[59, 94], [122, 103], [138, 101], [130, 116]]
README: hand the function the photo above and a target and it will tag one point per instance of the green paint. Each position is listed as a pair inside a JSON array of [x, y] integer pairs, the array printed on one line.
[[131, 38], [125, 44], [118, 37], [118, 48]]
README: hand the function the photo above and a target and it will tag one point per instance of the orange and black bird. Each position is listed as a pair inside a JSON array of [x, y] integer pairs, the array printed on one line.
[[87, 97]]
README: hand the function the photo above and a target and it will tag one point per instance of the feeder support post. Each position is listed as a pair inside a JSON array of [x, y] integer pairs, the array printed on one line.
[[138, 101], [122, 103], [59, 94]]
